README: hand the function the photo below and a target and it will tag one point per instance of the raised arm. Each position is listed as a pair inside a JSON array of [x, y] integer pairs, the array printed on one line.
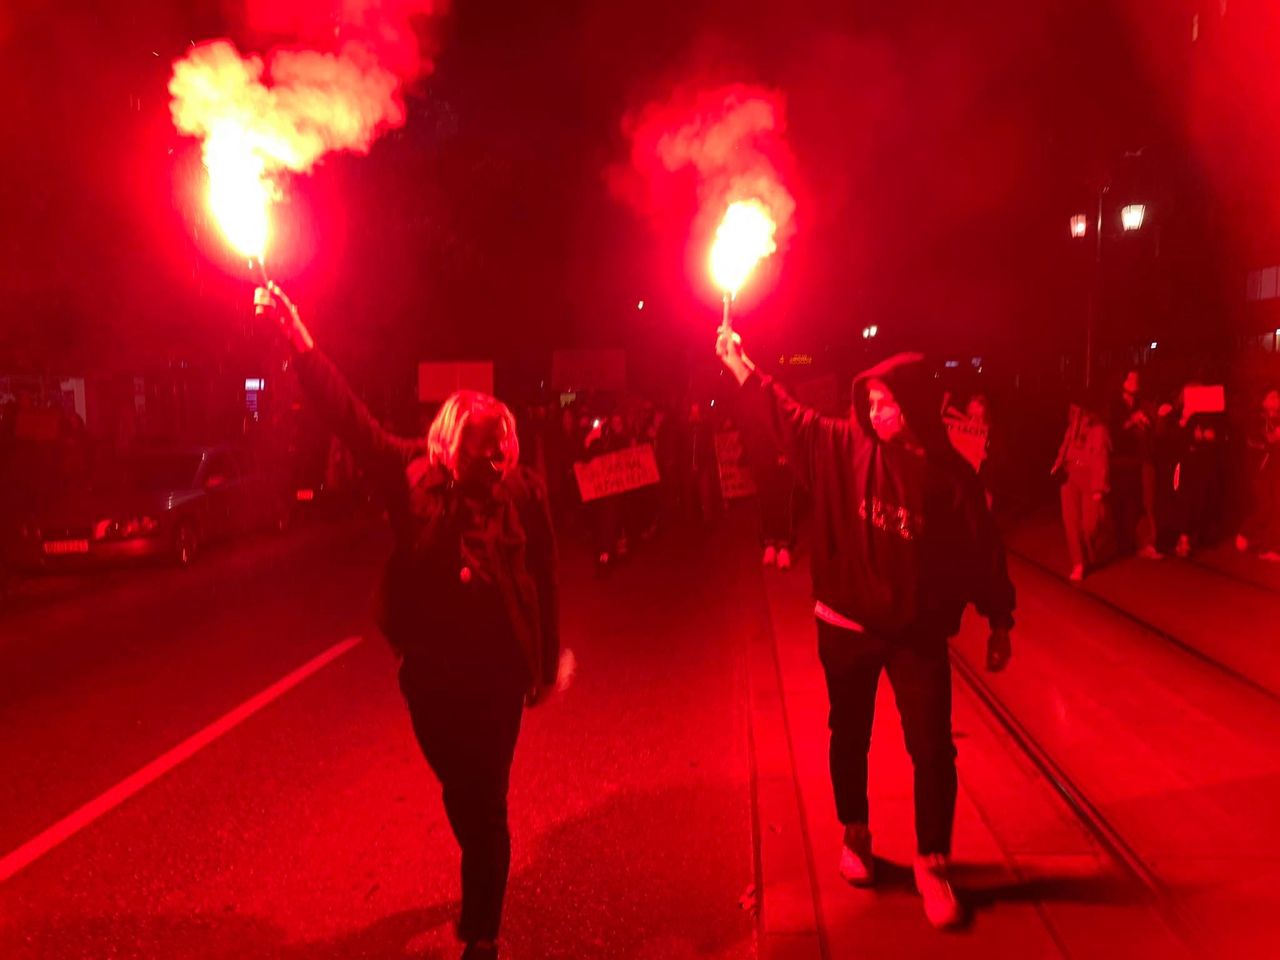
[[340, 408], [795, 429]]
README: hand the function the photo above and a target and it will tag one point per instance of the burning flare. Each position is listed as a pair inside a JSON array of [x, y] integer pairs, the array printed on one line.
[[261, 118], [744, 238], [728, 144], [240, 194]]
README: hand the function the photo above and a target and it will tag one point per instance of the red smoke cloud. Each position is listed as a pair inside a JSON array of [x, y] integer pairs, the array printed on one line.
[[727, 143], [391, 32], [338, 85]]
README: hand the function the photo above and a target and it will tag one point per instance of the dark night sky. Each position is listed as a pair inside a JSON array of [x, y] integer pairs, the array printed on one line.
[[940, 147]]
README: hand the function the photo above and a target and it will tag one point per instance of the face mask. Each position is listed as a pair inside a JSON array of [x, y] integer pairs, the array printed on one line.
[[479, 471], [481, 460]]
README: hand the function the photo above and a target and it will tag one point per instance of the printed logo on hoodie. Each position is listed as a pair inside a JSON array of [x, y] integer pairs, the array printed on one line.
[[896, 520]]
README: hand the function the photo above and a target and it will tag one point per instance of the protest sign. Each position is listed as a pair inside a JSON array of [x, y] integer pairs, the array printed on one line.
[[614, 473], [736, 479], [969, 439]]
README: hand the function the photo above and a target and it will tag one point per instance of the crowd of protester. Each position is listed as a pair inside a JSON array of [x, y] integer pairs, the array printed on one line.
[[1138, 475], [688, 493], [1151, 477]]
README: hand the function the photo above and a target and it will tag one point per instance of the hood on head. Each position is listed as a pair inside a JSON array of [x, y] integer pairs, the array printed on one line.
[[914, 387]]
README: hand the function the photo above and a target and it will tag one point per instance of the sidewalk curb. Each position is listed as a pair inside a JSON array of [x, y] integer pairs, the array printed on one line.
[[790, 924]]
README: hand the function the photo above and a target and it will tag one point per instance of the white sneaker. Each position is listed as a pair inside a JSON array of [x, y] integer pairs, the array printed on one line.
[[857, 867], [1150, 553], [940, 904], [1077, 574], [784, 559], [770, 556]]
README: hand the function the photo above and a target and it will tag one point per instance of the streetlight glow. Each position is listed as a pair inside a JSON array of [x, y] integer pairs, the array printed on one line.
[[1132, 215], [1080, 225]]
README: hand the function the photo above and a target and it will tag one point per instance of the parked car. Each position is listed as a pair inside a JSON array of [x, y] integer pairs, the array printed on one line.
[[162, 504]]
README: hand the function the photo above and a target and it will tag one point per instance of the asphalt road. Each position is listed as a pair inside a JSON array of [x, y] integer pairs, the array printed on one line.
[[312, 827]]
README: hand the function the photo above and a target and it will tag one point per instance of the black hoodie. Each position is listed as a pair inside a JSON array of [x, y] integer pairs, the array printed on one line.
[[903, 539], [508, 546]]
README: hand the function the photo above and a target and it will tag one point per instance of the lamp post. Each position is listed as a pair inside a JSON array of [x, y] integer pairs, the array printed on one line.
[[1131, 218]]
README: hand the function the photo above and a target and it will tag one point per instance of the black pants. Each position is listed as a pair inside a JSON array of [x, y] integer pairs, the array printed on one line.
[[920, 672], [777, 502], [467, 719], [1133, 502], [606, 523]]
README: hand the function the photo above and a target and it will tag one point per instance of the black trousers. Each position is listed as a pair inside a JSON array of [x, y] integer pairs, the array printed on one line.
[[777, 488], [467, 718], [920, 672], [1133, 501]]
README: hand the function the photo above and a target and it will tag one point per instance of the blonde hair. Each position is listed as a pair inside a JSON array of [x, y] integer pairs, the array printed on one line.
[[444, 438]]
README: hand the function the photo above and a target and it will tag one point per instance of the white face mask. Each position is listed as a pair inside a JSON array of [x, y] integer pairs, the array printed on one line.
[[883, 411]]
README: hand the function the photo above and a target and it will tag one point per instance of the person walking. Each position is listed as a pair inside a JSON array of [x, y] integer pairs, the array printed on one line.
[[469, 600], [1084, 466], [1133, 471], [903, 542], [1261, 529]]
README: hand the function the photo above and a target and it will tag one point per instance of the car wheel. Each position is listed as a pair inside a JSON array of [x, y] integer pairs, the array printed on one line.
[[185, 543]]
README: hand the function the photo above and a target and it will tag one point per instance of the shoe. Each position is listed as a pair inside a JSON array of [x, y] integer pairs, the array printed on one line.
[[940, 904], [784, 559], [1150, 553], [480, 950], [1184, 547], [603, 559], [1242, 543], [1077, 573], [770, 556], [856, 864], [1271, 556]]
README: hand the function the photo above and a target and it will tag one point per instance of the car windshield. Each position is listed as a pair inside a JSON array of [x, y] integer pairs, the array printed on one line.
[[164, 471]]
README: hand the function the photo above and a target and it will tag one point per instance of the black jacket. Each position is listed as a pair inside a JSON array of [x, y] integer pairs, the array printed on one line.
[[505, 541], [903, 541]]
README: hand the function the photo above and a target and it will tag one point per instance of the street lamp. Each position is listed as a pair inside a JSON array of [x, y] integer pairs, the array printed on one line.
[[1132, 215], [1131, 218]]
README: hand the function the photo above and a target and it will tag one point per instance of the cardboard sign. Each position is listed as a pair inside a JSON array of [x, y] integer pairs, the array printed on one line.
[[615, 473], [439, 381], [736, 478], [970, 440], [1198, 399]]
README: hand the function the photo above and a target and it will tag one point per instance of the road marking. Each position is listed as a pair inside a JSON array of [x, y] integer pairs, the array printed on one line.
[[104, 803]]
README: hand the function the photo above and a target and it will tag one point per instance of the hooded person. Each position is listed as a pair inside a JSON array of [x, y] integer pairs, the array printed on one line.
[[903, 542], [468, 600]]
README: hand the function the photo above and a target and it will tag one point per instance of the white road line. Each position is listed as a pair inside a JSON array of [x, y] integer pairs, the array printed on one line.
[[104, 803]]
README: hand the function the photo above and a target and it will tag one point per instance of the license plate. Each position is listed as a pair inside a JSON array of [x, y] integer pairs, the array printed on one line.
[[57, 548]]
